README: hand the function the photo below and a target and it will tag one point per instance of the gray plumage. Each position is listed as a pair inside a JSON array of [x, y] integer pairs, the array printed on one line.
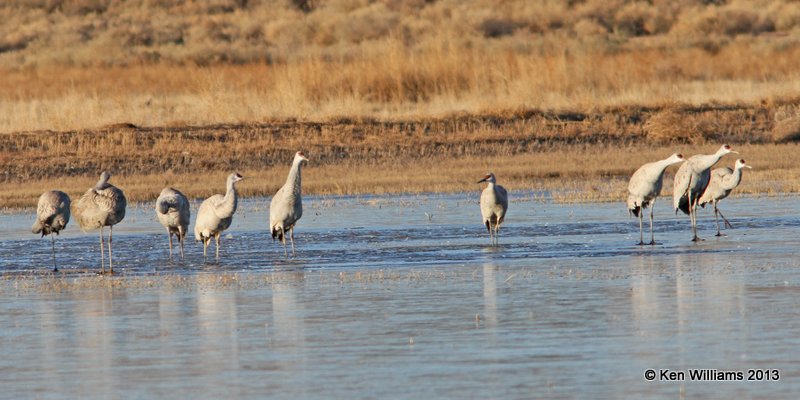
[[691, 181], [102, 205], [494, 204], [216, 214], [172, 211], [723, 181], [52, 215], [286, 206], [645, 186]]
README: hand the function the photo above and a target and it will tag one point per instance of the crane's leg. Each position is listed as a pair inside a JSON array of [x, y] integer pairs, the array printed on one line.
[[181, 237], [283, 240], [102, 252], [218, 237], [652, 234], [169, 235], [716, 218], [693, 217], [641, 235], [727, 224], [55, 266], [205, 246], [291, 238], [110, 264]]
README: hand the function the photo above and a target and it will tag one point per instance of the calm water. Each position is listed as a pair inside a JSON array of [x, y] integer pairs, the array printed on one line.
[[383, 301]]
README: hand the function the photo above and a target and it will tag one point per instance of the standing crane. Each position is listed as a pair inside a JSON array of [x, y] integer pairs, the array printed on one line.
[[494, 204], [52, 215], [286, 206], [102, 205], [644, 188], [691, 181], [723, 181], [172, 210], [216, 214]]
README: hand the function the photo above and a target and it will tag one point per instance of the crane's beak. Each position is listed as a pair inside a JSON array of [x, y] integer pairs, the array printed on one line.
[[734, 152], [482, 180], [747, 166]]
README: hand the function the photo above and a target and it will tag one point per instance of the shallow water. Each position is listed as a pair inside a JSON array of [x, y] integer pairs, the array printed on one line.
[[384, 302]]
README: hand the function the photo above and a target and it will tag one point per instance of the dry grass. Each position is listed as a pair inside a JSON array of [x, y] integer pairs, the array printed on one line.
[[440, 90], [578, 157], [78, 64]]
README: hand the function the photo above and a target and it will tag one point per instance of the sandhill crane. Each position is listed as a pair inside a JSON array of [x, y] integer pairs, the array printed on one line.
[[286, 206], [644, 188], [691, 181], [723, 181], [216, 214], [494, 204], [102, 205], [52, 215], [172, 210]]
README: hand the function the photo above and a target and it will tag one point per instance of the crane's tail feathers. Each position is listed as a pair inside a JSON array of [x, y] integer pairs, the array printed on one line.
[[277, 233], [163, 207], [635, 204], [683, 205], [38, 227]]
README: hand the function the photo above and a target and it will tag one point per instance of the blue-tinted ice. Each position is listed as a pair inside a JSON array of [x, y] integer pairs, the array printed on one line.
[[383, 301]]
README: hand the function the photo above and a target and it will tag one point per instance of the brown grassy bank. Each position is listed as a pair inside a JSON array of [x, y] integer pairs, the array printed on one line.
[[578, 156]]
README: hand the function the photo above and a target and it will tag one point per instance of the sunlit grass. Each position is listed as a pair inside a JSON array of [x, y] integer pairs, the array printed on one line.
[[568, 173]]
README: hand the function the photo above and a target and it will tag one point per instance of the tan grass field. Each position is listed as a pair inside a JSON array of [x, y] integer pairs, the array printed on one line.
[[84, 64], [391, 96]]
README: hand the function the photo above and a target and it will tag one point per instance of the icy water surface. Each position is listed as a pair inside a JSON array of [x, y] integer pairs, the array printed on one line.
[[384, 301]]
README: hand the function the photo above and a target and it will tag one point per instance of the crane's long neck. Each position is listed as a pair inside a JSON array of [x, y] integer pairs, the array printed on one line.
[[708, 161], [492, 188], [735, 178], [102, 183], [293, 180], [662, 166], [229, 202]]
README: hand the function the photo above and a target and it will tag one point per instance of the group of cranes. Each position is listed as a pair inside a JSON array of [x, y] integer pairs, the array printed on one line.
[[104, 204], [695, 184]]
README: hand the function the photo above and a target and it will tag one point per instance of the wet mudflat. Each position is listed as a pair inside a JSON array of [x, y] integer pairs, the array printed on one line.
[[386, 301]]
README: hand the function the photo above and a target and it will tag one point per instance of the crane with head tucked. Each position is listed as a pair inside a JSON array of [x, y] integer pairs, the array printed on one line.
[[723, 181], [52, 215], [644, 187], [102, 205], [172, 211], [691, 181]]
